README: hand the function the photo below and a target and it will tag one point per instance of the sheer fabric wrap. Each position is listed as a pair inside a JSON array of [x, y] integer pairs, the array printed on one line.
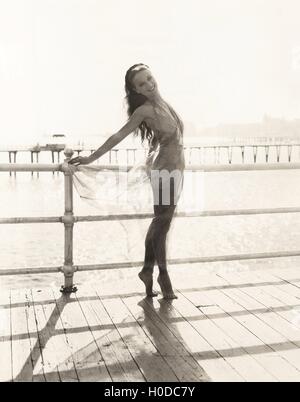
[[115, 191]]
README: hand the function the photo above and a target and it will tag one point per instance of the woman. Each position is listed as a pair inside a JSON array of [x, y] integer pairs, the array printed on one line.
[[157, 122]]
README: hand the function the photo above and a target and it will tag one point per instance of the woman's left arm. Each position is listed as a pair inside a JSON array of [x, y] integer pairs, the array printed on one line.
[[135, 120]]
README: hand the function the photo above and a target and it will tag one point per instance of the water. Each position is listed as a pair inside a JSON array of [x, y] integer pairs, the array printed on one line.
[[41, 245]]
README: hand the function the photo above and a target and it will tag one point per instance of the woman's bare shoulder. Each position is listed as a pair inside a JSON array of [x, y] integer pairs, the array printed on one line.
[[145, 110]]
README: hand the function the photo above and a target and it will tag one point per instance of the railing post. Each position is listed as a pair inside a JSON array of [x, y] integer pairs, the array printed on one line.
[[267, 149], [68, 220], [200, 155], [243, 153], [229, 152], [218, 154], [290, 149], [278, 149], [255, 149], [9, 160]]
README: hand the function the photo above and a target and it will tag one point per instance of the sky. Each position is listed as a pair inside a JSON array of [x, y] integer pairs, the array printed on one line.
[[62, 62]]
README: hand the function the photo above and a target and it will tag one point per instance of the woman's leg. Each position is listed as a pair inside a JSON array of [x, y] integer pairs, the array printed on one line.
[[155, 250], [162, 222], [149, 260], [155, 243], [146, 274]]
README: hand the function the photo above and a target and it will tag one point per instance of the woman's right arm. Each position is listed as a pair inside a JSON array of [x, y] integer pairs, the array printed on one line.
[[133, 123], [135, 120]]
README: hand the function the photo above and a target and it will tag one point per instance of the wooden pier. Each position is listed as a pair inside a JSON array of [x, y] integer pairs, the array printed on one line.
[[224, 326]]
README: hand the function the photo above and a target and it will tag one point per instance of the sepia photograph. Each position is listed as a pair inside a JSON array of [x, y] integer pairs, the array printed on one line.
[[149, 193]]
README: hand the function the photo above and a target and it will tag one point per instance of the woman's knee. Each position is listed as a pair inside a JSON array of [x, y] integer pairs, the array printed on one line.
[[161, 226]]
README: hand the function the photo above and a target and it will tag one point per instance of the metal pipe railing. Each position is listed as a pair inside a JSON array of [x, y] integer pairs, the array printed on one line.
[[133, 216], [32, 167], [134, 264], [19, 167], [68, 219]]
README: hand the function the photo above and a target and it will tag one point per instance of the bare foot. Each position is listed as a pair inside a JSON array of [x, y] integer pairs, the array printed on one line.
[[166, 286], [148, 282]]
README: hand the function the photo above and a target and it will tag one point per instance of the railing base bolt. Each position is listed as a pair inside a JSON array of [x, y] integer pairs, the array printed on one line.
[[68, 289]]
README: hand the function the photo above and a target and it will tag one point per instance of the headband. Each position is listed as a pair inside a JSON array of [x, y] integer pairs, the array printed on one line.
[[139, 67]]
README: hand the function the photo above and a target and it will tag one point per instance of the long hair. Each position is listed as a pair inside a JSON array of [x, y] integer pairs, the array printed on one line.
[[135, 100]]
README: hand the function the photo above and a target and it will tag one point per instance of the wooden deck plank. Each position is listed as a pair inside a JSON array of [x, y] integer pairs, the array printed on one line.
[[288, 274], [285, 293], [286, 371], [214, 314], [216, 367], [275, 361], [224, 368], [5, 338], [57, 355], [257, 364], [116, 370], [237, 354], [258, 299], [21, 347], [117, 358], [36, 354], [151, 363], [287, 329], [282, 289], [176, 355], [89, 364]]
